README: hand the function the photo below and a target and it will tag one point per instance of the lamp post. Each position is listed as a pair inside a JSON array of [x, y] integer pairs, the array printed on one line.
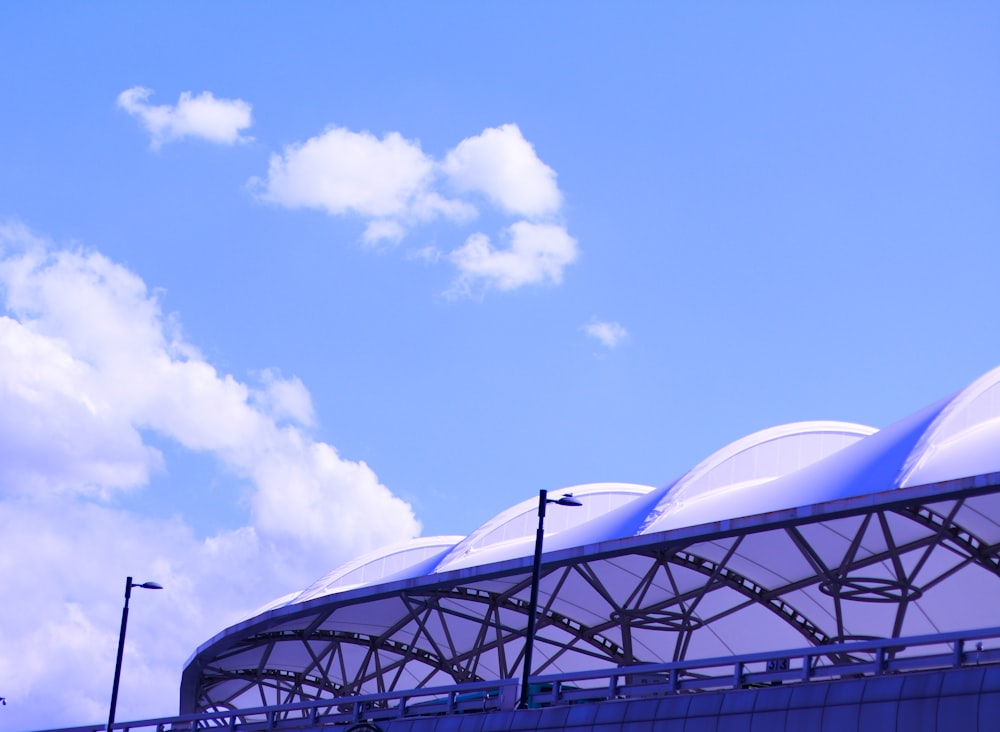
[[129, 584], [536, 568]]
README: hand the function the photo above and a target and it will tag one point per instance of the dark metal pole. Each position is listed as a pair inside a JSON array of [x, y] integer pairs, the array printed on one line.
[[129, 584], [536, 567], [121, 649]]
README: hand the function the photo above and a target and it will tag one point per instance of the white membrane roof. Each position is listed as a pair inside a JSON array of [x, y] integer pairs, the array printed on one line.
[[792, 531]]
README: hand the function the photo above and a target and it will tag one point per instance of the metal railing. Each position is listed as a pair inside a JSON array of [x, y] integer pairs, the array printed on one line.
[[835, 661], [479, 696], [842, 660]]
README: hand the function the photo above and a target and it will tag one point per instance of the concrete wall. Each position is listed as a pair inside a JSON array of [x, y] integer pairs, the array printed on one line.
[[965, 699]]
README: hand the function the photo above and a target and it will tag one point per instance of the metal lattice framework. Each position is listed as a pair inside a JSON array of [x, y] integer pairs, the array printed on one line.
[[911, 561]]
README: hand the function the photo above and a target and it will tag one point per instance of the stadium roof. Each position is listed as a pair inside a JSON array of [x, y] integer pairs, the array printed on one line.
[[812, 532]]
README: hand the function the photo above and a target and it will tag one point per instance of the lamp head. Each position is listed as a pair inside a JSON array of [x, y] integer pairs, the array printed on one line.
[[148, 585], [567, 500]]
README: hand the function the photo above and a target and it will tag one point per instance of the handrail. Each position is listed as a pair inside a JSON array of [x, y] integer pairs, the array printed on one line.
[[798, 665], [833, 649], [344, 710], [761, 668]]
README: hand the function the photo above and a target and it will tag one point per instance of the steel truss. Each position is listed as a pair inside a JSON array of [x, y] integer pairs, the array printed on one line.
[[839, 572]]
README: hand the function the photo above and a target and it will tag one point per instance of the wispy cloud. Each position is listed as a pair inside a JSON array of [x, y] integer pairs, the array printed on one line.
[[283, 399], [608, 333], [195, 115]]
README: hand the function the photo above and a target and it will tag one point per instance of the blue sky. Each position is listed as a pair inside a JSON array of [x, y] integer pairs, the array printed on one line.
[[344, 273]]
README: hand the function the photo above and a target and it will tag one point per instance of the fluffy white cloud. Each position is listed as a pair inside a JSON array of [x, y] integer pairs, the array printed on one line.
[[63, 573], [201, 115], [501, 164], [534, 253], [608, 333], [395, 185], [89, 365], [341, 172]]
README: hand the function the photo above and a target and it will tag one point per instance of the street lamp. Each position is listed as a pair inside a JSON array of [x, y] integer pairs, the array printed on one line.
[[129, 584], [536, 568]]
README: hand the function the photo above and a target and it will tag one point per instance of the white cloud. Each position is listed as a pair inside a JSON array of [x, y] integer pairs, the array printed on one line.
[[63, 574], [609, 333], [202, 115], [88, 366], [501, 164], [535, 253], [429, 253], [284, 398], [341, 171], [381, 230], [393, 184]]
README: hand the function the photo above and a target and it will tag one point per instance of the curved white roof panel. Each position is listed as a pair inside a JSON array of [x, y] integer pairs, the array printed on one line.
[[729, 482], [963, 438], [397, 561], [870, 465], [512, 533], [794, 531]]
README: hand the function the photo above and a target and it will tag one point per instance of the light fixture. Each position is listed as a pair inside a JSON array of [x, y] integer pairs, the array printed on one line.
[[566, 499], [129, 584]]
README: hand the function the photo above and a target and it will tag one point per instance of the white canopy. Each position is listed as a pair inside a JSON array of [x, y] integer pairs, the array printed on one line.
[[814, 532]]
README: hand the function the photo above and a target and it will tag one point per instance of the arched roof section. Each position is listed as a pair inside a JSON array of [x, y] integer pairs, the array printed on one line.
[[725, 484], [511, 533], [963, 439], [398, 561], [872, 464]]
